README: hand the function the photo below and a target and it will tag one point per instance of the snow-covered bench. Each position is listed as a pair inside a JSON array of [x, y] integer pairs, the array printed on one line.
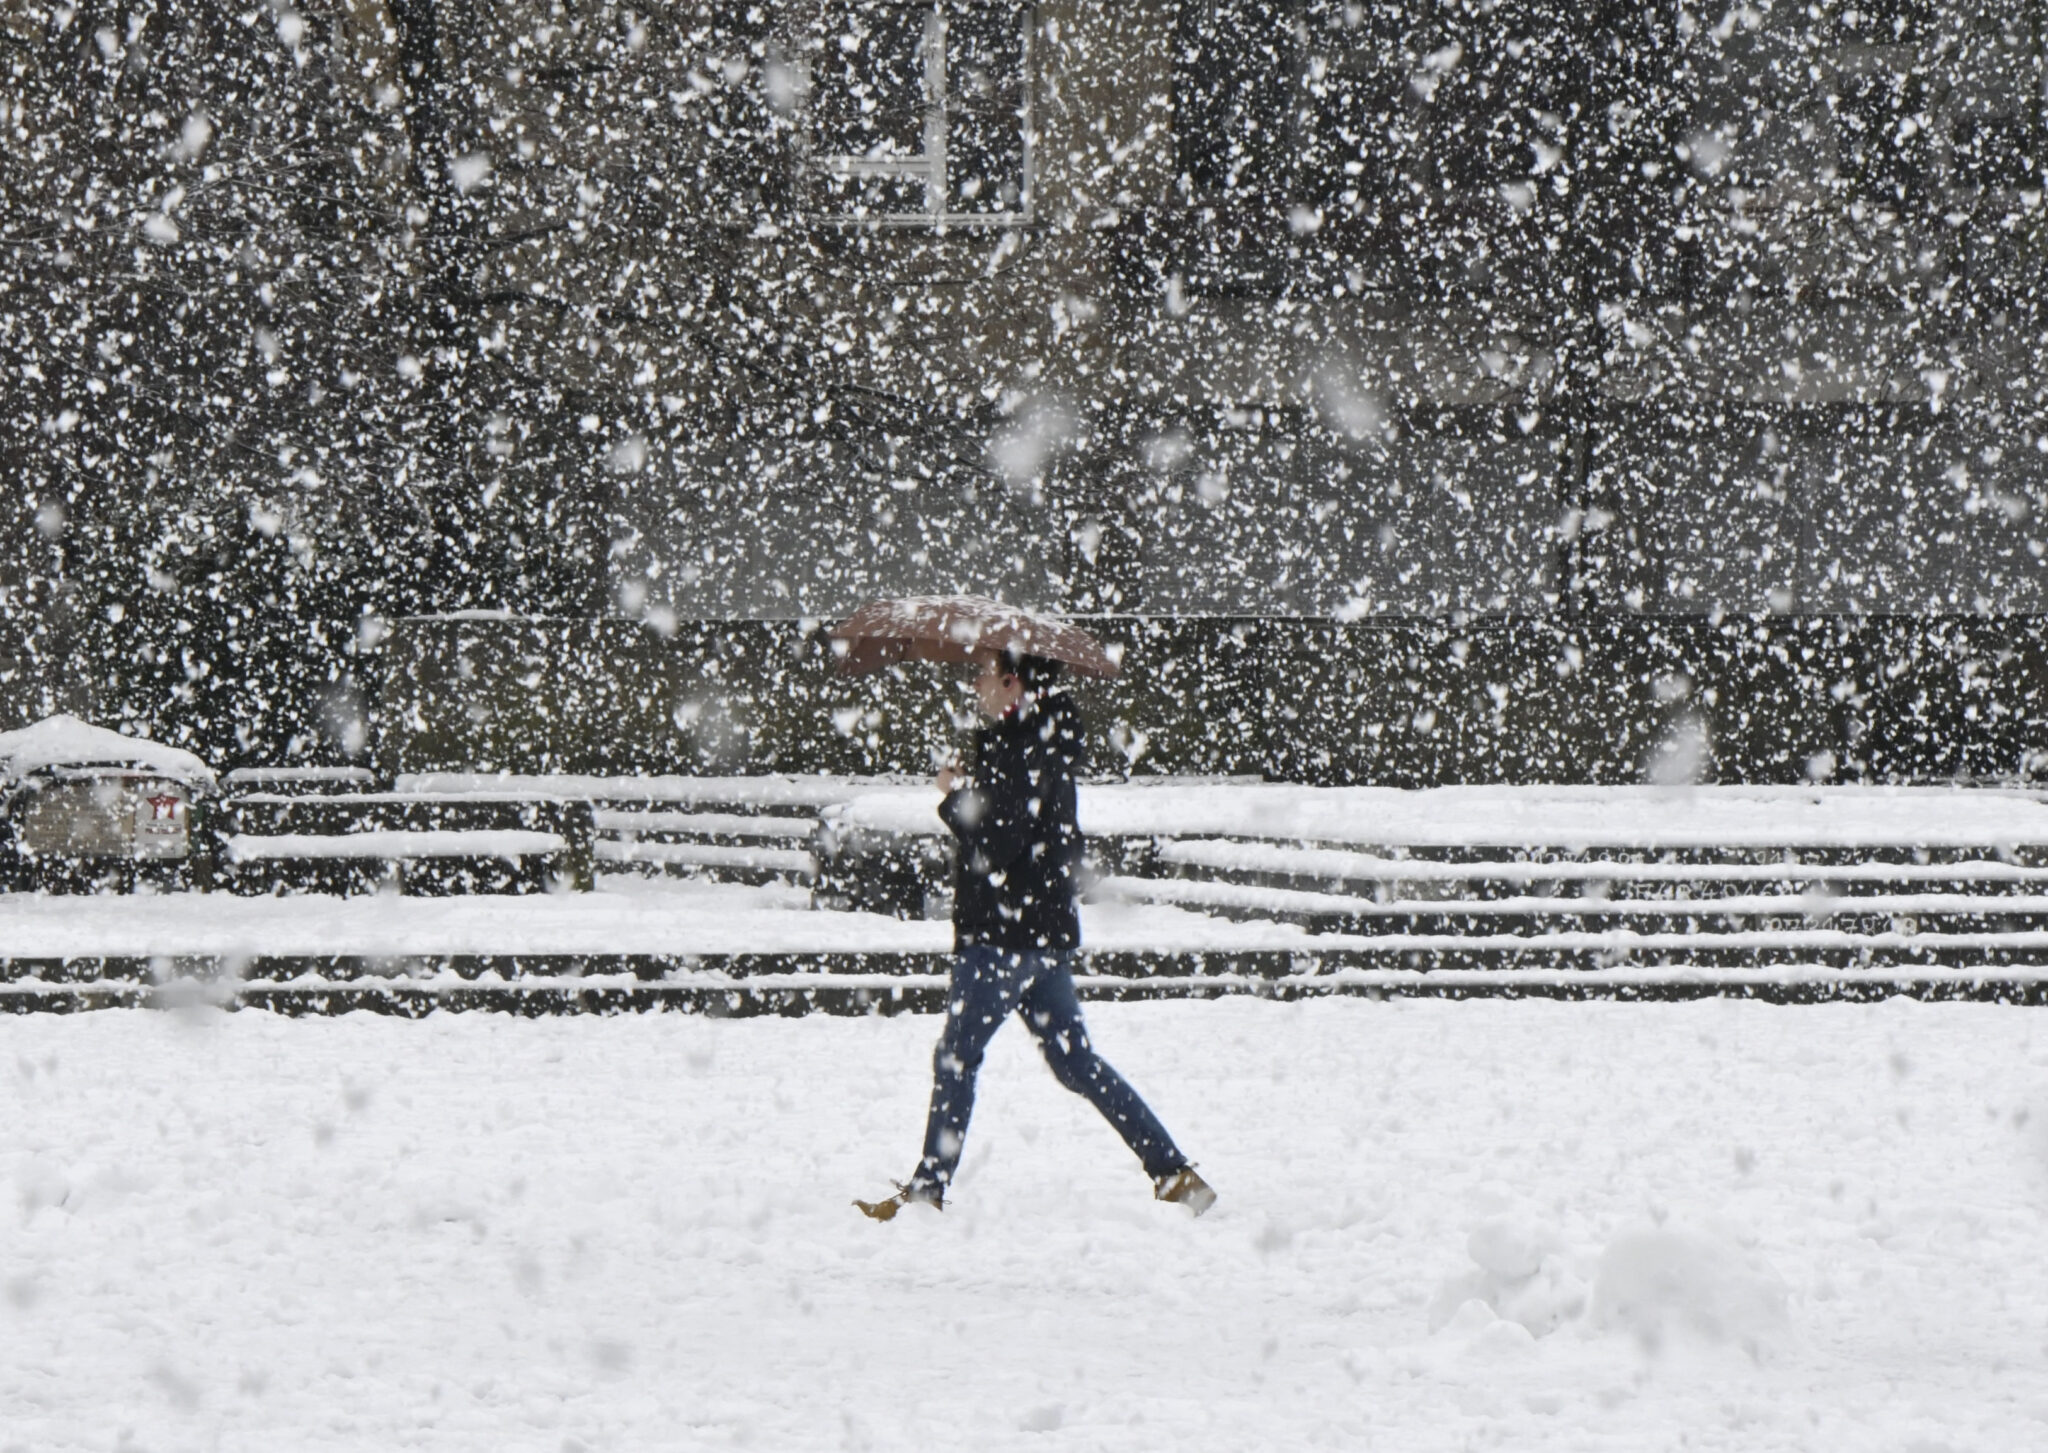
[[728, 846], [752, 830], [416, 842]]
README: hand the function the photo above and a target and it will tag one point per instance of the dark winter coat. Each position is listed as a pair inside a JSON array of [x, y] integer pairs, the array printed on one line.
[[1020, 842]]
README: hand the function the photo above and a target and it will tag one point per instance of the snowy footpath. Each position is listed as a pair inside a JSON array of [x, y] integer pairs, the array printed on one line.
[[1525, 1225]]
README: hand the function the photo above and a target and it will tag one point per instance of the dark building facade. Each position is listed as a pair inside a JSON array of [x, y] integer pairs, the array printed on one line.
[[1424, 391]]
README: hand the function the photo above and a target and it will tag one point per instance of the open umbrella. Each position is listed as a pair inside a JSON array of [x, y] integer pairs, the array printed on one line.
[[954, 628]]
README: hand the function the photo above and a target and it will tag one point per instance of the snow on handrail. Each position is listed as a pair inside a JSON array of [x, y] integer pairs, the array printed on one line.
[[764, 791], [704, 855], [731, 824]]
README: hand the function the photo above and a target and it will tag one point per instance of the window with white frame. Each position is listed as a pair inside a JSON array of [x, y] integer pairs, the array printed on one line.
[[920, 113]]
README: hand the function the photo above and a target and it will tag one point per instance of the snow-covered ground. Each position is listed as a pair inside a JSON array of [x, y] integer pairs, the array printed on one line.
[[1526, 1225]]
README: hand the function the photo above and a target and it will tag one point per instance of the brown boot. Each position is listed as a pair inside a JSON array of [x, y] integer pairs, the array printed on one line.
[[1185, 1188], [886, 1208]]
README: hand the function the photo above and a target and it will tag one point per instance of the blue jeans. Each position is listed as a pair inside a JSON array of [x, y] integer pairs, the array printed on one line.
[[987, 985]]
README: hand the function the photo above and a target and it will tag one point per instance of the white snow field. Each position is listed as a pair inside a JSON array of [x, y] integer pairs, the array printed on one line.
[[1529, 1225]]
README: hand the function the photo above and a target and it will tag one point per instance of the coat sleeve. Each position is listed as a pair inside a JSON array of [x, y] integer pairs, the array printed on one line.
[[992, 817]]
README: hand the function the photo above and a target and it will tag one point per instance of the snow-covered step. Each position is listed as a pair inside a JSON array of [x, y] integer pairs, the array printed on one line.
[[1623, 942], [1817, 907], [1501, 820], [865, 984], [1231, 855]]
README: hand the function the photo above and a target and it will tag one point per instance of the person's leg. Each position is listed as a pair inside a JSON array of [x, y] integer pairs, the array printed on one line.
[[985, 988], [1053, 1011]]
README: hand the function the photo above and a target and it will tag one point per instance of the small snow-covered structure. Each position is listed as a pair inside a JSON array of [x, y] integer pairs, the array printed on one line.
[[83, 804], [65, 743]]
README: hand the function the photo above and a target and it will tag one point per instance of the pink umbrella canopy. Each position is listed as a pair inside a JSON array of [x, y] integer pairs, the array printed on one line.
[[953, 628]]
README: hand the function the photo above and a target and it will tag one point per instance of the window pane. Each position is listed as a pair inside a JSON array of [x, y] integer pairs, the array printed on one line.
[[985, 108], [868, 95], [1234, 82]]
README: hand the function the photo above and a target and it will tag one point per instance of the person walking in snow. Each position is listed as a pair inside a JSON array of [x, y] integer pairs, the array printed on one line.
[[1016, 928]]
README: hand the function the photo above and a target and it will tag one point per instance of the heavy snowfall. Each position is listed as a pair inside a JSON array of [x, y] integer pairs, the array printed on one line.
[[1555, 497], [1421, 390]]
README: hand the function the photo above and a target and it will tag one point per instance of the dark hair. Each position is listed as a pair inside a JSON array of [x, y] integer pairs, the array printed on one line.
[[1036, 672]]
